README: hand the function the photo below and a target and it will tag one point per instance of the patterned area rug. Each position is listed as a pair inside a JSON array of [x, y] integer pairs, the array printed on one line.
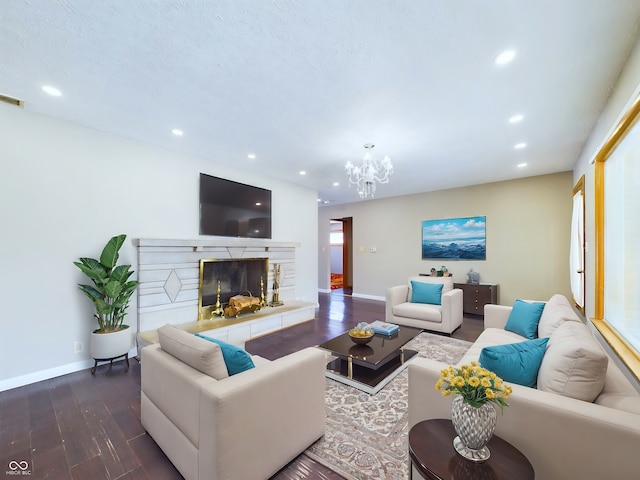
[[366, 435]]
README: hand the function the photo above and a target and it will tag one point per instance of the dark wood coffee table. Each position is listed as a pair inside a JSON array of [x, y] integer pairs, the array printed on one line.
[[370, 367], [433, 455]]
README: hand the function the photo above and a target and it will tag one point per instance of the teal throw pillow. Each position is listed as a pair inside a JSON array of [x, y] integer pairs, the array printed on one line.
[[236, 359], [524, 318], [422, 292], [516, 362]]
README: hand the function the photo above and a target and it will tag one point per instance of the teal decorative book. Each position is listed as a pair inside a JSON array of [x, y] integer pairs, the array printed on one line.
[[384, 328]]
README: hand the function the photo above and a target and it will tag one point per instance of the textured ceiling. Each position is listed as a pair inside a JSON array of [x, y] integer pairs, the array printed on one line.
[[305, 84]]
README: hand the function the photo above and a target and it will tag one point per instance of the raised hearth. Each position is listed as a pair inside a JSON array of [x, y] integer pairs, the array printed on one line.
[[238, 330]]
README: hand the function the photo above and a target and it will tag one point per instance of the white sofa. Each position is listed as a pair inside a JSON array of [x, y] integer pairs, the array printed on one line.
[[444, 318], [245, 426], [563, 437]]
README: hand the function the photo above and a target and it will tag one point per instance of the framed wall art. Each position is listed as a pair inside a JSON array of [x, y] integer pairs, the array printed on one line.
[[455, 239]]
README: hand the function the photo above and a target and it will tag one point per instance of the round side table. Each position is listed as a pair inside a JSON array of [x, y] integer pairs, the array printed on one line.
[[432, 454]]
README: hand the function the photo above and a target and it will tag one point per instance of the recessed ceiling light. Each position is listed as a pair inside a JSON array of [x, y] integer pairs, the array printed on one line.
[[516, 118], [258, 204], [177, 132], [520, 146], [325, 202], [319, 200], [251, 156], [302, 172], [336, 184], [505, 57], [522, 165], [53, 91]]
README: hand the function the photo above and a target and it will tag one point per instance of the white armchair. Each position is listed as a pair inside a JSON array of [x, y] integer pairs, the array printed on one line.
[[246, 426], [445, 318]]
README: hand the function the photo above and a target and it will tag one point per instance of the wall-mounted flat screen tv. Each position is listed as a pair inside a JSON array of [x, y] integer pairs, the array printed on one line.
[[232, 209]]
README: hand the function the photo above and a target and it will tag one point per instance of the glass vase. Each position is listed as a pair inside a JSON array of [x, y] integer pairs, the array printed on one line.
[[475, 427]]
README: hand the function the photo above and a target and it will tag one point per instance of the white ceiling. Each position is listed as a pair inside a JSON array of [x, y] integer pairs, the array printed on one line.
[[305, 84]]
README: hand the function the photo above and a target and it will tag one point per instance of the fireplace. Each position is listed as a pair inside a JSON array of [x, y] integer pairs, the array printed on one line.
[[169, 276], [226, 278]]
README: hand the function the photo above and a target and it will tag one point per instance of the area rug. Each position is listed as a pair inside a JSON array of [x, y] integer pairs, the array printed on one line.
[[366, 435]]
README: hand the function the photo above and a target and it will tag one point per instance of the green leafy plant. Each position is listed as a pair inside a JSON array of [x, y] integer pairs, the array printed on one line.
[[111, 289]]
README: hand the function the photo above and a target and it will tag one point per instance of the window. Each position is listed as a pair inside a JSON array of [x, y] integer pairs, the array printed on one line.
[[336, 238], [577, 256], [617, 236]]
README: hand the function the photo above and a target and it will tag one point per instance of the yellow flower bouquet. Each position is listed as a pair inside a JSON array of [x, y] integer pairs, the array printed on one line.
[[475, 384]]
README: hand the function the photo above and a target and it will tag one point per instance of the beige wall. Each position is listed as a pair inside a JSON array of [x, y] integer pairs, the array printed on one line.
[[528, 227]]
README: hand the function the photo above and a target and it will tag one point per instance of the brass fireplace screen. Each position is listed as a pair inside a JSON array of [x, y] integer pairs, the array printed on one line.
[[220, 279]]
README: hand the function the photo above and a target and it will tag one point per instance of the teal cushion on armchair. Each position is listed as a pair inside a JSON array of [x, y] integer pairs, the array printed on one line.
[[236, 359], [422, 292]]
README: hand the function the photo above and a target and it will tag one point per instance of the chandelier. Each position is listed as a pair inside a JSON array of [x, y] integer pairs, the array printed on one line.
[[371, 171]]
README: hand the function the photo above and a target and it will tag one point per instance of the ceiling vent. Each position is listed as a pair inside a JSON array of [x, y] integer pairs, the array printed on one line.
[[11, 100]]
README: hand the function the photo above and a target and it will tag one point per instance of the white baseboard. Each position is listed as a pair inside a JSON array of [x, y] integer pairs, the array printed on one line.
[[22, 380], [369, 297], [34, 377]]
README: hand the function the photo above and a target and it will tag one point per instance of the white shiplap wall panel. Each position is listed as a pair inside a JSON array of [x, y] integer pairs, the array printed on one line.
[[159, 258]]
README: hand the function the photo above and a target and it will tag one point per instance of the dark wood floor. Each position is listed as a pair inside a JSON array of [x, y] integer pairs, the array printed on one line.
[[80, 426]]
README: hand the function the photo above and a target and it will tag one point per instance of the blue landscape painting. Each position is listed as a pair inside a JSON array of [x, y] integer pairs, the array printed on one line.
[[455, 239]]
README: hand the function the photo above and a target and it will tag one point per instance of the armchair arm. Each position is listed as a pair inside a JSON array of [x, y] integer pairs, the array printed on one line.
[[255, 422], [452, 309], [395, 296], [554, 432]]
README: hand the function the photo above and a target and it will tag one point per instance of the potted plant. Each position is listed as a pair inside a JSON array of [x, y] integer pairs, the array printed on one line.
[[110, 293]]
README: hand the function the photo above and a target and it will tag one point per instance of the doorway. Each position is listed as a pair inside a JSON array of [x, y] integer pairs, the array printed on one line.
[[341, 245]]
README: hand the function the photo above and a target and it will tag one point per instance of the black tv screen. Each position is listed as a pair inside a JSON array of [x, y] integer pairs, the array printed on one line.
[[232, 209]]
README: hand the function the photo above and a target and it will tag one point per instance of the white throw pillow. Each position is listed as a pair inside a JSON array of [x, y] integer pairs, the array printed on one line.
[[556, 311], [196, 352], [574, 365]]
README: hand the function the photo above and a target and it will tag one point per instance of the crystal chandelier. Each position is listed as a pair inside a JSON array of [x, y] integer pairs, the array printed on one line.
[[370, 172]]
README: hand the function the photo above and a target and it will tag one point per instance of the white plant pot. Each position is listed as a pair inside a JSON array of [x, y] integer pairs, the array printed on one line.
[[104, 346]]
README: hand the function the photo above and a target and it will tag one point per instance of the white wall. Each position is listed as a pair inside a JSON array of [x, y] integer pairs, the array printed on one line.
[[627, 85], [336, 259], [65, 190], [528, 227]]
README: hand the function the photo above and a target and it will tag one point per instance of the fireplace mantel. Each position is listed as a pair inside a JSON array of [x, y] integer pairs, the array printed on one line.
[[212, 242], [168, 274]]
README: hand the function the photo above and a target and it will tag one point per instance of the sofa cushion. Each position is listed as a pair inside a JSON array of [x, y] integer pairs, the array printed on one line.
[[204, 356], [617, 391], [575, 365], [626, 402], [488, 338], [515, 362], [556, 311], [426, 293], [524, 318], [419, 311], [236, 359]]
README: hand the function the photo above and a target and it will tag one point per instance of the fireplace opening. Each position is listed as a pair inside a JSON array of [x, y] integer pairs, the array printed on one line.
[[246, 276]]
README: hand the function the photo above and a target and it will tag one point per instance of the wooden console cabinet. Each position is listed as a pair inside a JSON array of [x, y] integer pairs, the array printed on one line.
[[475, 297]]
